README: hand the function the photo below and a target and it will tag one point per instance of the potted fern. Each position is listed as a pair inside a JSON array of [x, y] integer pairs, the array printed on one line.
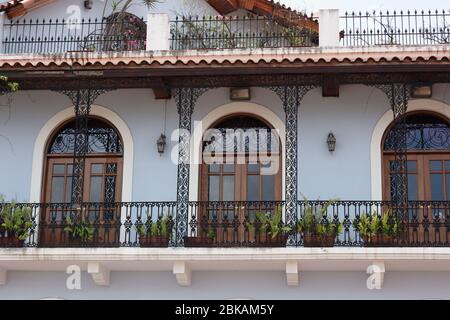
[[317, 229], [80, 231], [376, 230], [270, 230], [15, 223], [155, 234], [205, 239]]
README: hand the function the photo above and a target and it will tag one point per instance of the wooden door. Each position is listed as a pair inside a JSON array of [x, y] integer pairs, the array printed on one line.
[[102, 186], [428, 180], [232, 193]]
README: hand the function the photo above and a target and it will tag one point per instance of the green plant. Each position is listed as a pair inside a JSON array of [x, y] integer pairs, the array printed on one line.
[[162, 227], [15, 219], [7, 86], [79, 229], [370, 225], [270, 223], [210, 233], [315, 220]]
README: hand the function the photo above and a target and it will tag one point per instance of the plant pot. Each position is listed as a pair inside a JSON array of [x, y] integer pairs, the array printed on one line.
[[78, 243], [378, 240], [153, 241], [268, 241], [195, 242], [311, 240], [11, 242]]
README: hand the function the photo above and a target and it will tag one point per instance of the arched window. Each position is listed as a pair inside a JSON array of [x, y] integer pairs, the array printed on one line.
[[428, 155], [102, 179], [241, 164]]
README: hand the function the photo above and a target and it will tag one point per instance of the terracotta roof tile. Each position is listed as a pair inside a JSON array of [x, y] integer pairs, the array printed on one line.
[[7, 5], [298, 56]]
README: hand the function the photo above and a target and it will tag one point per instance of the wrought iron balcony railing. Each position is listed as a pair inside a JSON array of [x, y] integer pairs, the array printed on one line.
[[227, 224], [396, 28], [228, 32], [60, 35]]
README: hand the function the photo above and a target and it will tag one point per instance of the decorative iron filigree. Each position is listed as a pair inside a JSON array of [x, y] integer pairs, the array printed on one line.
[[225, 140], [291, 96], [101, 139], [185, 99], [82, 99], [398, 94], [422, 137]]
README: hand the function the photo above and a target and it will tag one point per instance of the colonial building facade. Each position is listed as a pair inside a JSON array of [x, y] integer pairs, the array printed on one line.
[[253, 153]]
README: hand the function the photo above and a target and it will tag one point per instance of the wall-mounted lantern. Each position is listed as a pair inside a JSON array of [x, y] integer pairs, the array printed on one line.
[[161, 144], [88, 4], [331, 142]]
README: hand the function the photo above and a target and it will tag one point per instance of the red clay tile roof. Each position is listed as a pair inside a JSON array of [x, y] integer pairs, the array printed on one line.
[[269, 8], [225, 58], [7, 5]]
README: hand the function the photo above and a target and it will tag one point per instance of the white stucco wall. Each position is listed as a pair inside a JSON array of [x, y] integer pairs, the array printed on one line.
[[69, 8], [229, 285]]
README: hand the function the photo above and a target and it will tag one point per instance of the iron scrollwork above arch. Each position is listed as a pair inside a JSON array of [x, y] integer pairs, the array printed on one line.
[[423, 132], [101, 138]]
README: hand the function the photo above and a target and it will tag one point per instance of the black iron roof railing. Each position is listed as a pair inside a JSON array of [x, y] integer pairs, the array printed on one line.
[[396, 28]]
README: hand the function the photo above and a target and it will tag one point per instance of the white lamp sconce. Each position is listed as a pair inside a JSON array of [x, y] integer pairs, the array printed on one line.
[[331, 142], [422, 91], [161, 144]]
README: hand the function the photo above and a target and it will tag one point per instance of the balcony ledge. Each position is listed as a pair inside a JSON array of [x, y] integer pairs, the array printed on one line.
[[221, 259]]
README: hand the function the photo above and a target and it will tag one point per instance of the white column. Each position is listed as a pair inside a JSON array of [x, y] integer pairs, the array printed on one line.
[[2, 30], [158, 32], [329, 27]]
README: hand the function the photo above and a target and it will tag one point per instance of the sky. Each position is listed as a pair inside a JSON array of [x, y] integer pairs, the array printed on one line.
[[363, 5]]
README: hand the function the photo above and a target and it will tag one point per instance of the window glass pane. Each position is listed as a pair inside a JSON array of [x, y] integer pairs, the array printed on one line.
[[228, 188], [57, 190], [413, 192], [447, 184], [70, 169], [412, 166], [253, 167], [58, 168], [95, 193], [68, 189], [253, 188], [437, 187], [436, 165], [228, 168], [268, 188], [447, 165], [97, 168], [214, 188], [214, 167]]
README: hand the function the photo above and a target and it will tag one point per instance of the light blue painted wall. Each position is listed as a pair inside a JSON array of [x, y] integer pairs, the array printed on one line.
[[344, 174], [154, 176], [230, 285]]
